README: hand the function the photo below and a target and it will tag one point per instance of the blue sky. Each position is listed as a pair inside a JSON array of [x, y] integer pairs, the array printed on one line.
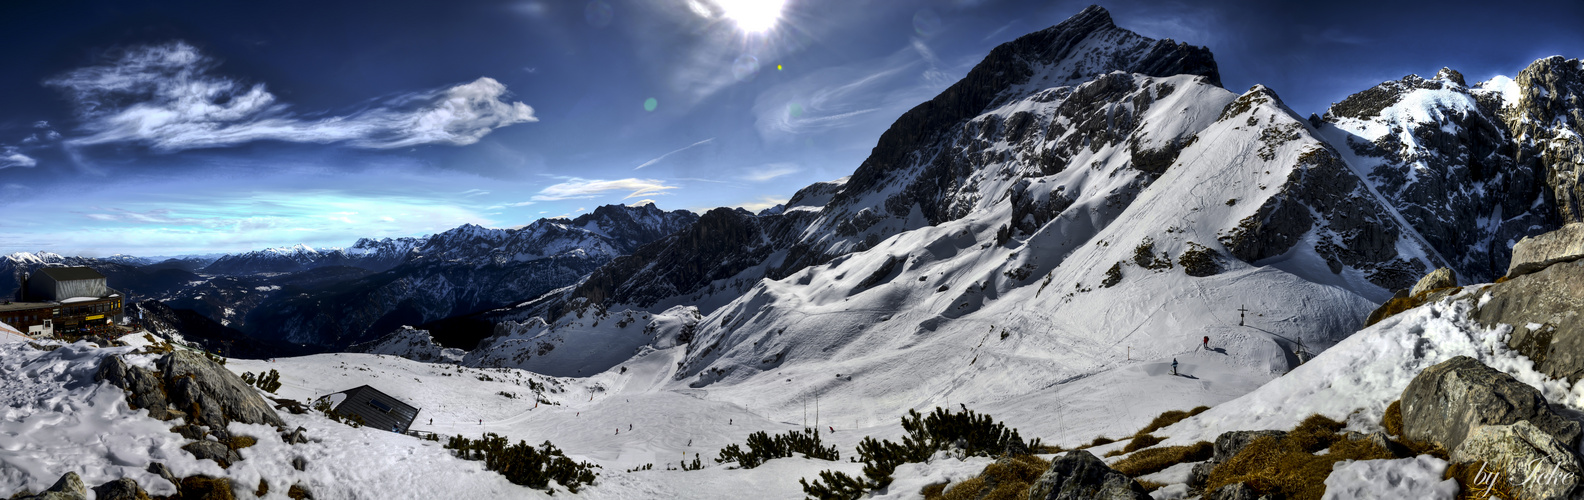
[[162, 128]]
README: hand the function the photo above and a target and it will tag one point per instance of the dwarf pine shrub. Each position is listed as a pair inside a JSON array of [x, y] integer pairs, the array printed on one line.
[[973, 433], [762, 447], [523, 464]]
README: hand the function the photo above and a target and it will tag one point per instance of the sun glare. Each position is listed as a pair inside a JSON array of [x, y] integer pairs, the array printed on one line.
[[754, 16]]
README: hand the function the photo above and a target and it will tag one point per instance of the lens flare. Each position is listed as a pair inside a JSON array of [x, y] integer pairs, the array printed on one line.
[[650, 104], [598, 13], [754, 16], [745, 67]]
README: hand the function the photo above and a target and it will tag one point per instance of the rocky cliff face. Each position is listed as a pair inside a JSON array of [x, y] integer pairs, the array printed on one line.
[[926, 169], [1471, 168], [1547, 120]]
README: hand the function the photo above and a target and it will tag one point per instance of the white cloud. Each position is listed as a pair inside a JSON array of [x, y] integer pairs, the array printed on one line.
[[10, 157], [770, 171], [169, 97], [588, 188], [667, 155], [642, 202], [41, 124]]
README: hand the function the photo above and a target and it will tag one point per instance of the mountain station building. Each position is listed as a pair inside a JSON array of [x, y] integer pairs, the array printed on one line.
[[73, 300]]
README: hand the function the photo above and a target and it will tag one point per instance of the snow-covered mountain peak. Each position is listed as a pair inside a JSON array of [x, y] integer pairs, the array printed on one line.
[[34, 257]]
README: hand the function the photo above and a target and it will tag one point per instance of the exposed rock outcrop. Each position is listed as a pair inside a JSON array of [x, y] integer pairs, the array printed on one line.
[[1447, 402], [1436, 280], [1546, 312], [1531, 460], [68, 487], [1548, 113], [188, 384], [1237, 491], [213, 450], [1227, 445], [1539, 252], [120, 489], [1078, 475]]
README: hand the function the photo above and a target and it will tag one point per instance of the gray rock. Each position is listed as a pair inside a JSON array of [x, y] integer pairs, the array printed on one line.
[[220, 453], [159, 469], [1539, 252], [120, 489], [186, 382], [68, 487], [297, 436], [1436, 280], [299, 463], [1531, 460], [144, 388], [189, 431], [1543, 309], [220, 397], [1078, 475], [1236, 491], [1228, 444], [1447, 402]]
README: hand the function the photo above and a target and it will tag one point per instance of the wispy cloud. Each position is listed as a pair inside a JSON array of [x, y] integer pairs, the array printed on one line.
[[770, 171], [10, 157], [170, 98], [576, 188], [668, 155], [868, 93]]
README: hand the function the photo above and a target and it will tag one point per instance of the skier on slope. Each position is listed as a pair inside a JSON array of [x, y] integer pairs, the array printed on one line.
[[1207, 342], [1174, 366]]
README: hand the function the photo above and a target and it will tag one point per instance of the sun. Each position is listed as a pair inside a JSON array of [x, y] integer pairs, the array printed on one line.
[[753, 16]]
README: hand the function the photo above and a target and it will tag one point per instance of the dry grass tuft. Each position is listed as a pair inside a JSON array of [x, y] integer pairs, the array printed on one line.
[[240, 442], [1006, 479], [1098, 441], [1150, 485], [1392, 420], [1475, 485], [1287, 466], [1158, 459]]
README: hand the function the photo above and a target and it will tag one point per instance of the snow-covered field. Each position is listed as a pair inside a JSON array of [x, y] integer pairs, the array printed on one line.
[[58, 420]]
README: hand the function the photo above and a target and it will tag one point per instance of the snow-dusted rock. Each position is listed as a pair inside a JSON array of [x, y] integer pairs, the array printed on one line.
[[411, 343], [125, 488], [1448, 402], [1543, 309], [1437, 279], [1078, 475], [1532, 460], [69, 487], [185, 380], [1538, 252]]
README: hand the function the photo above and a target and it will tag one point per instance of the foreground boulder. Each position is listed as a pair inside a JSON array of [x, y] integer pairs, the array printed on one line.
[[1227, 445], [1531, 460], [1436, 280], [1539, 252], [187, 384], [1078, 475], [68, 487], [1546, 312], [1447, 402], [120, 489]]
